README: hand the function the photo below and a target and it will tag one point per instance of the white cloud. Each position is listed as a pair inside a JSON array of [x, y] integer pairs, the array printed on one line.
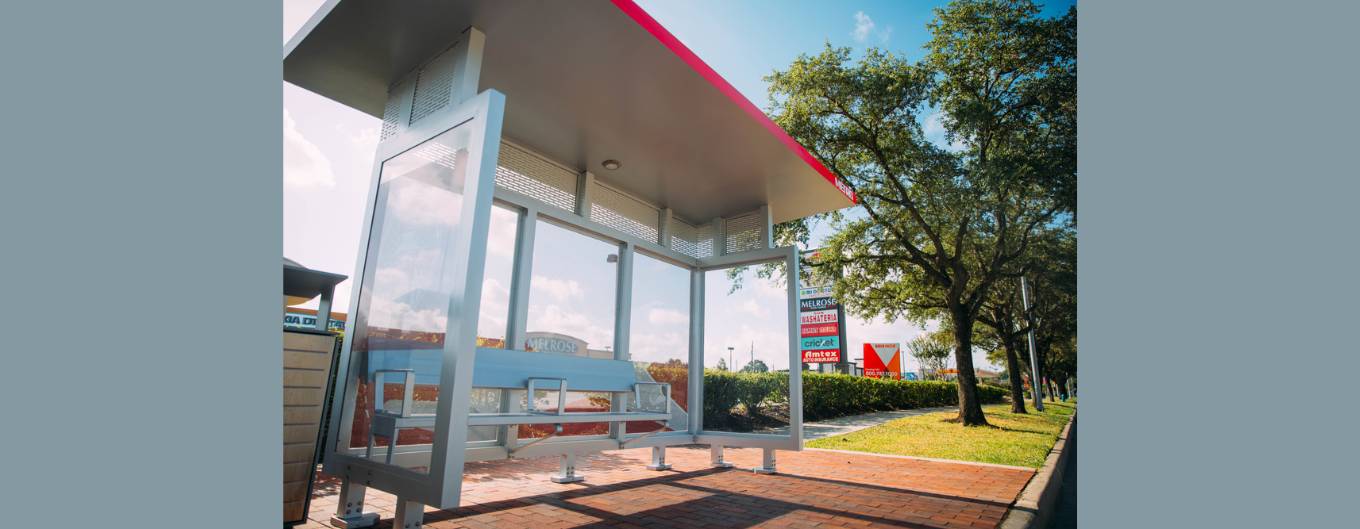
[[667, 317], [304, 165], [557, 289], [864, 26], [934, 130]]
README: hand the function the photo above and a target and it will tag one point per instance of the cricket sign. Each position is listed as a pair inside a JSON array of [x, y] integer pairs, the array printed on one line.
[[819, 326]]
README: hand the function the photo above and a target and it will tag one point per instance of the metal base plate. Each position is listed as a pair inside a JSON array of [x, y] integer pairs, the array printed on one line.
[[567, 479], [723, 464], [355, 522], [763, 470], [658, 467]]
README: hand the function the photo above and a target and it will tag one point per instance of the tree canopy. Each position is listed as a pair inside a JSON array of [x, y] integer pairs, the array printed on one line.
[[940, 226]]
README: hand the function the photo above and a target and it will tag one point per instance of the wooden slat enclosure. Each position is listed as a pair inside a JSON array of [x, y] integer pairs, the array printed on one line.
[[306, 368]]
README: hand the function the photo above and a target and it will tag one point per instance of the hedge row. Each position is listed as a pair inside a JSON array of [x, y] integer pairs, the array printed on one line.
[[829, 395], [832, 395]]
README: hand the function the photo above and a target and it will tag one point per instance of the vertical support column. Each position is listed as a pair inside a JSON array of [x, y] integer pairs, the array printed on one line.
[[410, 514], [349, 508], [658, 459], [766, 227], [583, 199], [719, 236], [518, 317], [664, 232], [568, 474], [323, 310], [623, 310], [715, 457], [766, 462], [467, 66], [696, 351]]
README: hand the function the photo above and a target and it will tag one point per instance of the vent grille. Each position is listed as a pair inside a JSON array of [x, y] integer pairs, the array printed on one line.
[[434, 87], [535, 177], [743, 233], [705, 244], [624, 213]]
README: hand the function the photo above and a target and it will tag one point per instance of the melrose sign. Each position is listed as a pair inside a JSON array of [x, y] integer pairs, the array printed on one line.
[[819, 326]]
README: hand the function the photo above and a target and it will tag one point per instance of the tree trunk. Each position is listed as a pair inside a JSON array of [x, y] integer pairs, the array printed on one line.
[[970, 407], [1017, 387]]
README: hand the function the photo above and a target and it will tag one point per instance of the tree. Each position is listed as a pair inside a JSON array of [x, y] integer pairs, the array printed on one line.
[[932, 352], [940, 227], [756, 366], [1004, 330], [722, 364]]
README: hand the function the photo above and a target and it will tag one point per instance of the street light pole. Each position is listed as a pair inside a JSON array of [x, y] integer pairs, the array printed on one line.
[[729, 358], [1033, 356]]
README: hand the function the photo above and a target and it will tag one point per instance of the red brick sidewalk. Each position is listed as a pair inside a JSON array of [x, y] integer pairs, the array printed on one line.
[[813, 489]]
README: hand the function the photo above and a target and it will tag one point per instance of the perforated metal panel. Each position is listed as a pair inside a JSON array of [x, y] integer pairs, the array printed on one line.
[[684, 237], [397, 102], [705, 246], [531, 175], [624, 213], [434, 86], [744, 233]]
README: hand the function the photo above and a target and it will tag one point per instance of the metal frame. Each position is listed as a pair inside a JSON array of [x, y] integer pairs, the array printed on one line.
[[486, 110]]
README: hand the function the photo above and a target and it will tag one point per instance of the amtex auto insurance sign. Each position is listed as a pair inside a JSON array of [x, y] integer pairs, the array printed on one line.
[[819, 326]]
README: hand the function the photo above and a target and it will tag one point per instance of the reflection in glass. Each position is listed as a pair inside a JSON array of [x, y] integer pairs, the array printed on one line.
[[493, 318], [571, 310], [752, 393], [404, 298], [658, 339]]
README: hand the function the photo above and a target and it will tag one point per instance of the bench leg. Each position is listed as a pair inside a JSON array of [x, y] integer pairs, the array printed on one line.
[[349, 509], [716, 457], [392, 444], [568, 473], [766, 462], [410, 514], [658, 459]]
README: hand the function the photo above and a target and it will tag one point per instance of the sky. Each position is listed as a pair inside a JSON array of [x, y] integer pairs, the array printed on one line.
[[328, 164]]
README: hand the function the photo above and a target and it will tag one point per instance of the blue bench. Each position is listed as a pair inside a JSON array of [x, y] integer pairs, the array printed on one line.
[[522, 370]]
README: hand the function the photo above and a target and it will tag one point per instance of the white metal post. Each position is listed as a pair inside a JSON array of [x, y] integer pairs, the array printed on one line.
[[1033, 355], [715, 453], [658, 459], [410, 514], [766, 462], [567, 473], [349, 508]]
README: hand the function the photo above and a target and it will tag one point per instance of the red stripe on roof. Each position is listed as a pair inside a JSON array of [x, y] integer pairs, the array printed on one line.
[[667, 39]]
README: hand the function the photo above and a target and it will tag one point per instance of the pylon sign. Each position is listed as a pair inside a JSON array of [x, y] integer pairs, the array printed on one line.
[[819, 326], [883, 360]]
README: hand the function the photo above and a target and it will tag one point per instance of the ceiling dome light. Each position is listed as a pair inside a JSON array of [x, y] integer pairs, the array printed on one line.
[[611, 164]]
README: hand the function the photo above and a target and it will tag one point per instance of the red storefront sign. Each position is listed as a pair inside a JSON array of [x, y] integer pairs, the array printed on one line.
[[818, 356], [828, 329]]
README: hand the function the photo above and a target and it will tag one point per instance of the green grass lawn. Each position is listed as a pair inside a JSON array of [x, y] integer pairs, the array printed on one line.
[[1012, 439]]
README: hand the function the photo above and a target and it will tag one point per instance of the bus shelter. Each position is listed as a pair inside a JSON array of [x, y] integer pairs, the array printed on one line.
[[545, 172]]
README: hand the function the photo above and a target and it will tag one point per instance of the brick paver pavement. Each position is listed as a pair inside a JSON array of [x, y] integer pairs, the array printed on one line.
[[813, 488]]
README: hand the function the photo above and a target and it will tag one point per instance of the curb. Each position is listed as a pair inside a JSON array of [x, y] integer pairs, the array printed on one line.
[[1034, 507]]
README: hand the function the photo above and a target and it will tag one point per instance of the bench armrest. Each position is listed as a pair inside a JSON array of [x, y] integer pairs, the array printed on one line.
[[408, 391]]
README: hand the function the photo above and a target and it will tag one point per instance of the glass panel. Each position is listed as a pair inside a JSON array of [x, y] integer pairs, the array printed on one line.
[[658, 339], [571, 311], [746, 351], [492, 321], [403, 302]]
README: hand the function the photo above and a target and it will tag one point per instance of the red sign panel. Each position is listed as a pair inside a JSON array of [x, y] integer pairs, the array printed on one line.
[[817, 356], [828, 329]]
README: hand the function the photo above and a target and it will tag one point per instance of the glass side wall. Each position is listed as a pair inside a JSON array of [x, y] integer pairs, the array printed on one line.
[[571, 311], [493, 319], [658, 339], [746, 351], [399, 327]]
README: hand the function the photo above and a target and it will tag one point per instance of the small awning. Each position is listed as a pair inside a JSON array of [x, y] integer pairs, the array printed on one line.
[[585, 81]]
